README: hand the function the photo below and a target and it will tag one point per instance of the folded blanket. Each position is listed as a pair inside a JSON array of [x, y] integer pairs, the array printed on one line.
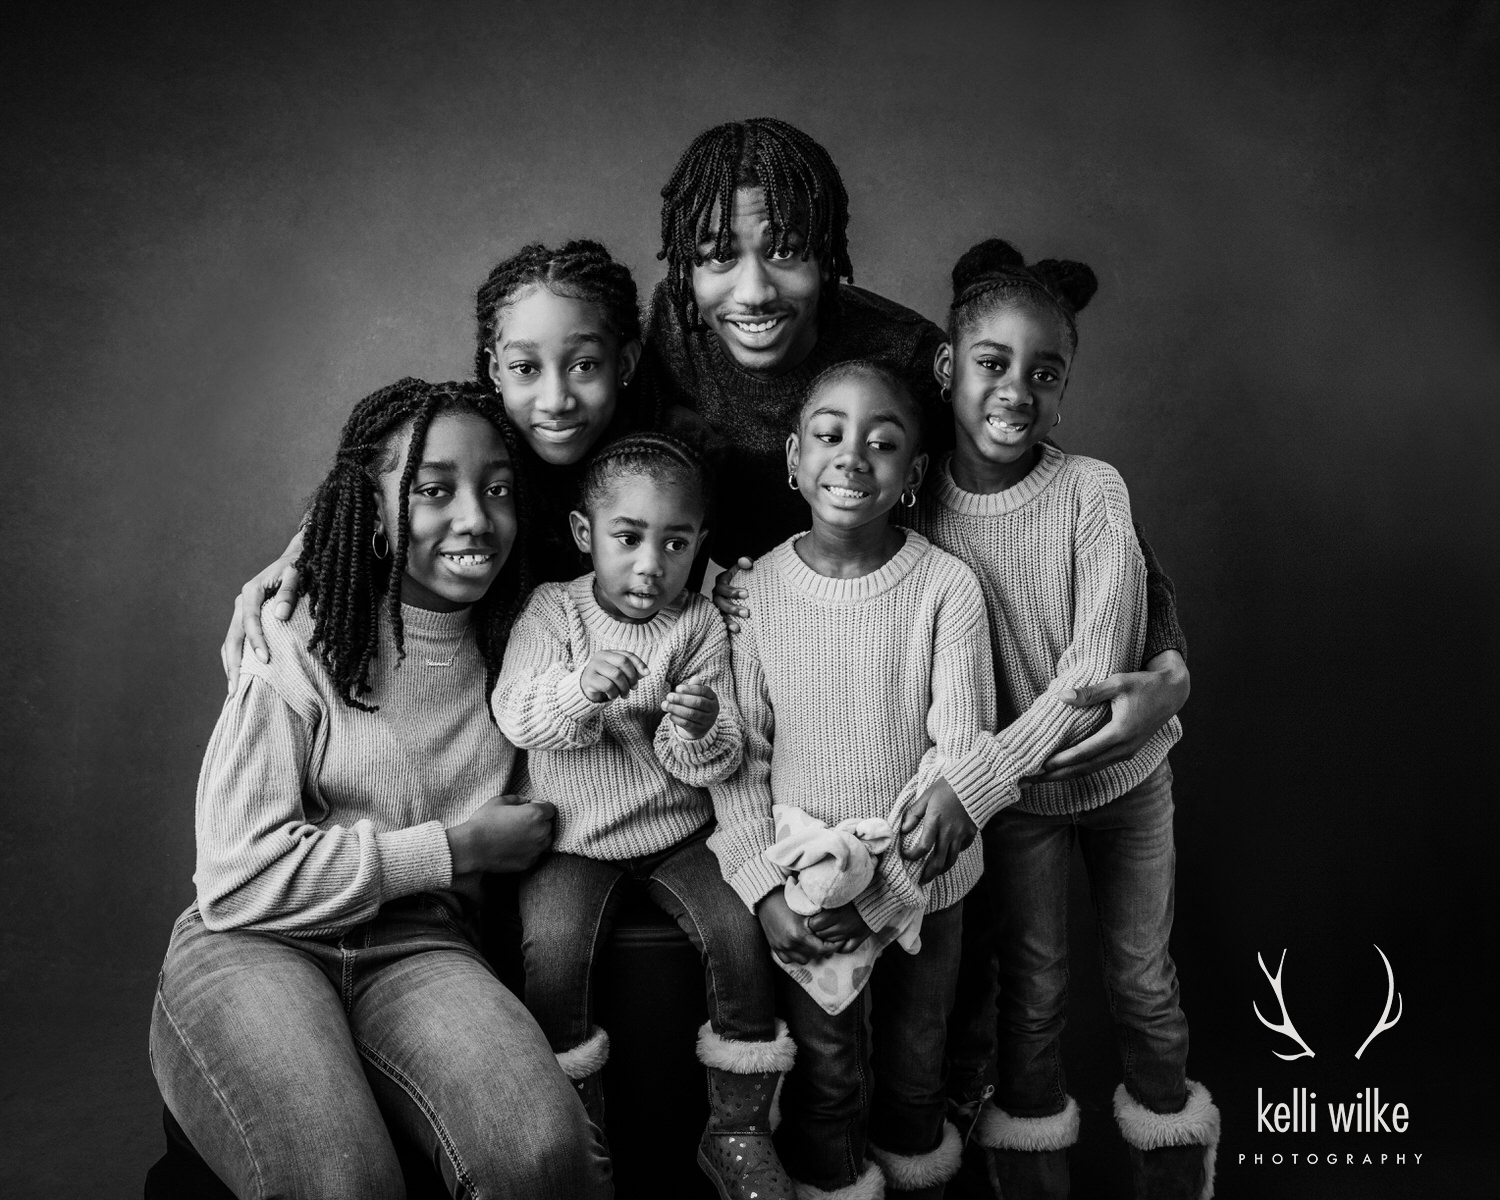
[[828, 868]]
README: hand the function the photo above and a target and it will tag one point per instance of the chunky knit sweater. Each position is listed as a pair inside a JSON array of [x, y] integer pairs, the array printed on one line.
[[625, 781], [689, 368], [1065, 587], [854, 693], [311, 814]]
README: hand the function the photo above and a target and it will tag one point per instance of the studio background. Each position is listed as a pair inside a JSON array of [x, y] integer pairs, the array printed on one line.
[[225, 224]]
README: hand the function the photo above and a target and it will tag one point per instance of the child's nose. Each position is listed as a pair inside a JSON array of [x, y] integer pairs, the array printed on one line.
[[556, 396], [648, 561]]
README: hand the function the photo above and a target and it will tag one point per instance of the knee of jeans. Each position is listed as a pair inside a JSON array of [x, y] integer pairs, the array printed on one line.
[[553, 1153]]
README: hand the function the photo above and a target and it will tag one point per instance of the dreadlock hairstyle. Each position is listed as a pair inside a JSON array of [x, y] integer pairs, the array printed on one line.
[[664, 460], [993, 272], [346, 581], [580, 270], [804, 194]]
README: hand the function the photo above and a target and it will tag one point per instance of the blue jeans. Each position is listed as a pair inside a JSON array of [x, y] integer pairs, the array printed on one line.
[[874, 1071], [291, 1061], [1015, 990], [568, 907]]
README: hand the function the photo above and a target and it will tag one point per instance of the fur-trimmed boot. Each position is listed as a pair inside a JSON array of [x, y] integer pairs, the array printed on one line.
[[1171, 1154], [921, 1176], [735, 1151], [870, 1185], [584, 1065], [1028, 1156]]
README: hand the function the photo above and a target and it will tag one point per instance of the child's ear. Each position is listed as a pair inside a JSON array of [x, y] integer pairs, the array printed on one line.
[[494, 367], [793, 453], [917, 472], [942, 368], [630, 358], [578, 522]]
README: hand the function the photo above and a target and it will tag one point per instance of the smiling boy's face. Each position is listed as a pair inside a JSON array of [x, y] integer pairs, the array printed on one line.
[[761, 303]]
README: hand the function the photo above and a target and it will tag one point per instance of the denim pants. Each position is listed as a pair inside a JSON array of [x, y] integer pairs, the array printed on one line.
[[568, 907], [1014, 992], [291, 1061], [874, 1071]]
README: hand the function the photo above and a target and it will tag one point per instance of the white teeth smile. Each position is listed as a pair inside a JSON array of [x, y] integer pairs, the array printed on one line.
[[844, 493], [469, 560], [1008, 426], [756, 326]]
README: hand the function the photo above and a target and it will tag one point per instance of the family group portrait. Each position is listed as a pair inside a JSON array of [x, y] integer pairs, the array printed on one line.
[[816, 603]]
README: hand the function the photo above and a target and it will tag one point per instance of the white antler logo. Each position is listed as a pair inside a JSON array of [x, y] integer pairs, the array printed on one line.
[[1286, 1025], [1385, 1022]]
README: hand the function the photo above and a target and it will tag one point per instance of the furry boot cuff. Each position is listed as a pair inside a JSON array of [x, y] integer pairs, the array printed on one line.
[[912, 1172], [585, 1058], [998, 1130]]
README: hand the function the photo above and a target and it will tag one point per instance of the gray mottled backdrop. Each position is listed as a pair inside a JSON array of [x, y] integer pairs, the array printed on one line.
[[223, 224]]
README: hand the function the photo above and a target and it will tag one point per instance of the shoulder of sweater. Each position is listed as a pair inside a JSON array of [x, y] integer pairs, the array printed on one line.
[[876, 308], [954, 586], [1097, 481]]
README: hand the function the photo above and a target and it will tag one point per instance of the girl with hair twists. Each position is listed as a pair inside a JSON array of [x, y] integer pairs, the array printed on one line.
[[617, 685], [324, 995]]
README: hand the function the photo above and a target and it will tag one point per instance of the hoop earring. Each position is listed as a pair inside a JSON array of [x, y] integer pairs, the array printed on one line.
[[946, 392], [1057, 420], [375, 546], [909, 498], [791, 482]]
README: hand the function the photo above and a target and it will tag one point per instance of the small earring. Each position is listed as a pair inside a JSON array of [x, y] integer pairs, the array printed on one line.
[[1057, 420], [909, 498], [947, 394], [375, 546], [791, 482]]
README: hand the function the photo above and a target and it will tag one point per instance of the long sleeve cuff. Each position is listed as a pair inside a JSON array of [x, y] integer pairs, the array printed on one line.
[[984, 780], [414, 860], [571, 701], [756, 879], [882, 906]]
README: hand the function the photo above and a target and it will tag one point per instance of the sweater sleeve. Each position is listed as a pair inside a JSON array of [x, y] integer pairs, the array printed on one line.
[[1109, 594], [1163, 629], [713, 757], [537, 702], [742, 803], [961, 711], [261, 862]]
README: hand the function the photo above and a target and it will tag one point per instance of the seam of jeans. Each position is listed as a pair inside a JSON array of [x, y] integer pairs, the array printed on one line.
[[716, 1019], [218, 1092], [394, 1073], [346, 978]]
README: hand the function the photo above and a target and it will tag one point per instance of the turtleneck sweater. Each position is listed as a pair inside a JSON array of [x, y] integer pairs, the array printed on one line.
[[311, 813], [854, 693], [1065, 587], [752, 413], [625, 781]]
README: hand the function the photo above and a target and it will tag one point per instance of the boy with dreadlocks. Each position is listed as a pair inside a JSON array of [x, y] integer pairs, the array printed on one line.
[[349, 800]]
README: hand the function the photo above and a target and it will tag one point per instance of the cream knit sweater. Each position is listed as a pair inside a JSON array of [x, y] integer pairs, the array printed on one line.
[[626, 783], [312, 814], [1065, 586], [854, 693]]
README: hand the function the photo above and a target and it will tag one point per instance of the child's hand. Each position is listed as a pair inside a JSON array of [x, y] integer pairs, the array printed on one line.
[[280, 577], [610, 674], [504, 834], [693, 708], [1140, 703], [790, 938], [948, 832], [728, 598], [843, 929]]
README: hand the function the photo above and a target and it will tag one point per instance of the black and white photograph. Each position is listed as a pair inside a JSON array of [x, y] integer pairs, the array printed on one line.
[[798, 601]]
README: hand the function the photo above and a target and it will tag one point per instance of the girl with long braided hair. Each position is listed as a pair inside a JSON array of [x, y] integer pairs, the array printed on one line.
[[617, 684], [324, 997]]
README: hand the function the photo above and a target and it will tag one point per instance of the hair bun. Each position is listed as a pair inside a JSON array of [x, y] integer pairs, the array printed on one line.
[[1074, 282], [986, 258]]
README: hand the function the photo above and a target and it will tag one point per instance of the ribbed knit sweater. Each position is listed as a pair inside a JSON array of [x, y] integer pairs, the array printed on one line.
[[753, 414], [626, 783], [312, 814], [854, 693], [1065, 586]]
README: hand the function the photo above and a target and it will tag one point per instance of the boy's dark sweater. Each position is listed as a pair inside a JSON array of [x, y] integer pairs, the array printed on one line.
[[749, 417]]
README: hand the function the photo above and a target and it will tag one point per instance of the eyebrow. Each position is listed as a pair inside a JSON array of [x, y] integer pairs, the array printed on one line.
[[889, 415], [634, 523], [573, 339], [1050, 355]]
